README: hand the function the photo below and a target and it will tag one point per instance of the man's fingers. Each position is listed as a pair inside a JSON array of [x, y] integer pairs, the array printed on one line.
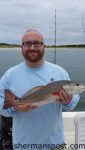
[[24, 107], [55, 93], [65, 98], [32, 107]]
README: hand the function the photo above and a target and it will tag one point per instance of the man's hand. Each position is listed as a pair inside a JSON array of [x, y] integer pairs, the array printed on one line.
[[24, 107], [64, 97]]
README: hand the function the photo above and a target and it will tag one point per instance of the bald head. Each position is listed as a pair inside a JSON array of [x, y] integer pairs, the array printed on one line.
[[32, 34], [33, 47]]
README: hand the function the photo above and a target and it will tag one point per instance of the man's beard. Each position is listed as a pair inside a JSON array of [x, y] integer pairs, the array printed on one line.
[[33, 55]]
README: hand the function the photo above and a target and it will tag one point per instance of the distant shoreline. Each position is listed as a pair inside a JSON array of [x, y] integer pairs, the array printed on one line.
[[67, 46], [4, 45]]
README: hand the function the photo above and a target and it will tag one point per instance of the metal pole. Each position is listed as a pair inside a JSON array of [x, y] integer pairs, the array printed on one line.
[[82, 21], [55, 40]]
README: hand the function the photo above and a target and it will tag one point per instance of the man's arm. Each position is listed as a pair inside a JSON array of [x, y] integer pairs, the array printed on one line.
[[68, 101], [73, 103], [4, 84]]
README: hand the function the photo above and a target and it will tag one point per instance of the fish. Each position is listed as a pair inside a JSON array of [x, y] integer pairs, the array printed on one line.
[[42, 95]]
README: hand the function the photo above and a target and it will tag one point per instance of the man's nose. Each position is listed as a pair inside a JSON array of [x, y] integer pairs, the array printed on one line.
[[32, 46]]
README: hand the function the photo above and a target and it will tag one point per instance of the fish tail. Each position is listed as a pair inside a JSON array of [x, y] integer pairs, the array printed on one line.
[[9, 99]]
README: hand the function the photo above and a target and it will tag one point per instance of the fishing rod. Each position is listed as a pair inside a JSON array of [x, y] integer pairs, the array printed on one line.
[[83, 21], [55, 40]]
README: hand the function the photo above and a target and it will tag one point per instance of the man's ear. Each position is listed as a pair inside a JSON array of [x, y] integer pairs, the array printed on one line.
[[20, 46], [44, 46]]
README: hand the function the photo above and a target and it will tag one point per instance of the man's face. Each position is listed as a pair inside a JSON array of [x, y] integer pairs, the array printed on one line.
[[33, 47]]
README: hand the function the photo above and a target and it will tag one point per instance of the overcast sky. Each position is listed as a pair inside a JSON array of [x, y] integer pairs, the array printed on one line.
[[16, 16]]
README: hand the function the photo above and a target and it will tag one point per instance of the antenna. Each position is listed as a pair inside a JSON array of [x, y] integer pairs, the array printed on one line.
[[55, 40], [82, 21]]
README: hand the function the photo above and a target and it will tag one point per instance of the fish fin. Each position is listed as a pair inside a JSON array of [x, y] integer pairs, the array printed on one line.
[[9, 99], [30, 92]]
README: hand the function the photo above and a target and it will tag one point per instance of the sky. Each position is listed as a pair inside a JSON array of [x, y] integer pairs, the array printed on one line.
[[17, 16]]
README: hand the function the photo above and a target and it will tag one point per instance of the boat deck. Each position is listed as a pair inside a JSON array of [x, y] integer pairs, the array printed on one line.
[[69, 127]]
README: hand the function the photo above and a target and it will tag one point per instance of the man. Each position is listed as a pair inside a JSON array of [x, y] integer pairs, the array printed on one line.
[[35, 127]]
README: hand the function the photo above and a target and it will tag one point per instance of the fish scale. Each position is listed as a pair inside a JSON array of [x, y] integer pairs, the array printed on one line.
[[49, 88]]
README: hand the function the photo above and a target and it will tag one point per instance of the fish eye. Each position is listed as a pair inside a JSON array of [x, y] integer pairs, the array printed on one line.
[[77, 84]]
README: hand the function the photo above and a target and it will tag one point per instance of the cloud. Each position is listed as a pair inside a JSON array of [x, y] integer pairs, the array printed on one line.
[[16, 16]]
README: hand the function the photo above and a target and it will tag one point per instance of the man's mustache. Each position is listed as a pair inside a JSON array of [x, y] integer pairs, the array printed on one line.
[[33, 51]]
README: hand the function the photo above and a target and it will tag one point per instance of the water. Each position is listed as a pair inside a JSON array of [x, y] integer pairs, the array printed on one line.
[[71, 59]]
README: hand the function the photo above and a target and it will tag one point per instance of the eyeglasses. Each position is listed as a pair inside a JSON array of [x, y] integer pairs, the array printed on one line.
[[35, 43]]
